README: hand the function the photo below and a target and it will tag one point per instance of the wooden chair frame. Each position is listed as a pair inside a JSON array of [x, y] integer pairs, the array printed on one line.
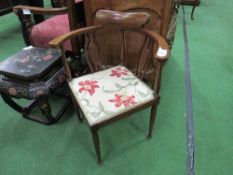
[[122, 22]]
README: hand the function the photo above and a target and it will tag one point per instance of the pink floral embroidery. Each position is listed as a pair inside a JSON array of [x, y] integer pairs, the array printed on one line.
[[118, 72], [123, 99], [88, 86], [47, 57]]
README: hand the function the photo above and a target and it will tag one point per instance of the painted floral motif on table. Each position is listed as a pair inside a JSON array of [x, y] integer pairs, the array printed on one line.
[[105, 94], [30, 61]]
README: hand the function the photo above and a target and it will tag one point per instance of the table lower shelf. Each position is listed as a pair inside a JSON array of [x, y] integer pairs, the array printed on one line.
[[44, 106]]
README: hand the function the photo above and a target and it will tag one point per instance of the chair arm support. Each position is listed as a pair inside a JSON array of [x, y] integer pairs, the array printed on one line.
[[58, 41], [39, 10], [162, 52]]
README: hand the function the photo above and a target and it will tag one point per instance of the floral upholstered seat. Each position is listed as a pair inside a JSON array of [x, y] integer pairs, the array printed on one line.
[[106, 94]]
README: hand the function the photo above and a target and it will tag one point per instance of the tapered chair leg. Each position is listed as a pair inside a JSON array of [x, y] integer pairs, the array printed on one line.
[[152, 118], [192, 13], [96, 142], [79, 114], [76, 107], [196, 3]]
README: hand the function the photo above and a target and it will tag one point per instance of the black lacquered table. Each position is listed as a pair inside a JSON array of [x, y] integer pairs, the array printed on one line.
[[33, 74]]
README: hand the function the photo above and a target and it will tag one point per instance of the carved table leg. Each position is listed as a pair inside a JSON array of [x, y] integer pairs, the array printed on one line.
[[44, 106], [46, 109], [12, 103]]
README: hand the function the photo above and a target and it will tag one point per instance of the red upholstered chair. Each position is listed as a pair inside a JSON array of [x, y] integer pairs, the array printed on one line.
[[45, 31], [66, 18]]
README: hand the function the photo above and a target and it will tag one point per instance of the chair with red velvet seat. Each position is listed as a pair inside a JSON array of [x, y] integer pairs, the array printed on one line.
[[65, 19]]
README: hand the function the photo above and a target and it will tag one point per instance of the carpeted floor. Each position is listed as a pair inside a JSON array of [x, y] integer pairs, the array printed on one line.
[[27, 147]]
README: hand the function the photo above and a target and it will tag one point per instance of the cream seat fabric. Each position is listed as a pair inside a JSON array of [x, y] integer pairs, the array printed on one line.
[[103, 95]]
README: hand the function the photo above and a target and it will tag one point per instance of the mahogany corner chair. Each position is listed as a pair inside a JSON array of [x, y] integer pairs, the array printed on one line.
[[115, 88]]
